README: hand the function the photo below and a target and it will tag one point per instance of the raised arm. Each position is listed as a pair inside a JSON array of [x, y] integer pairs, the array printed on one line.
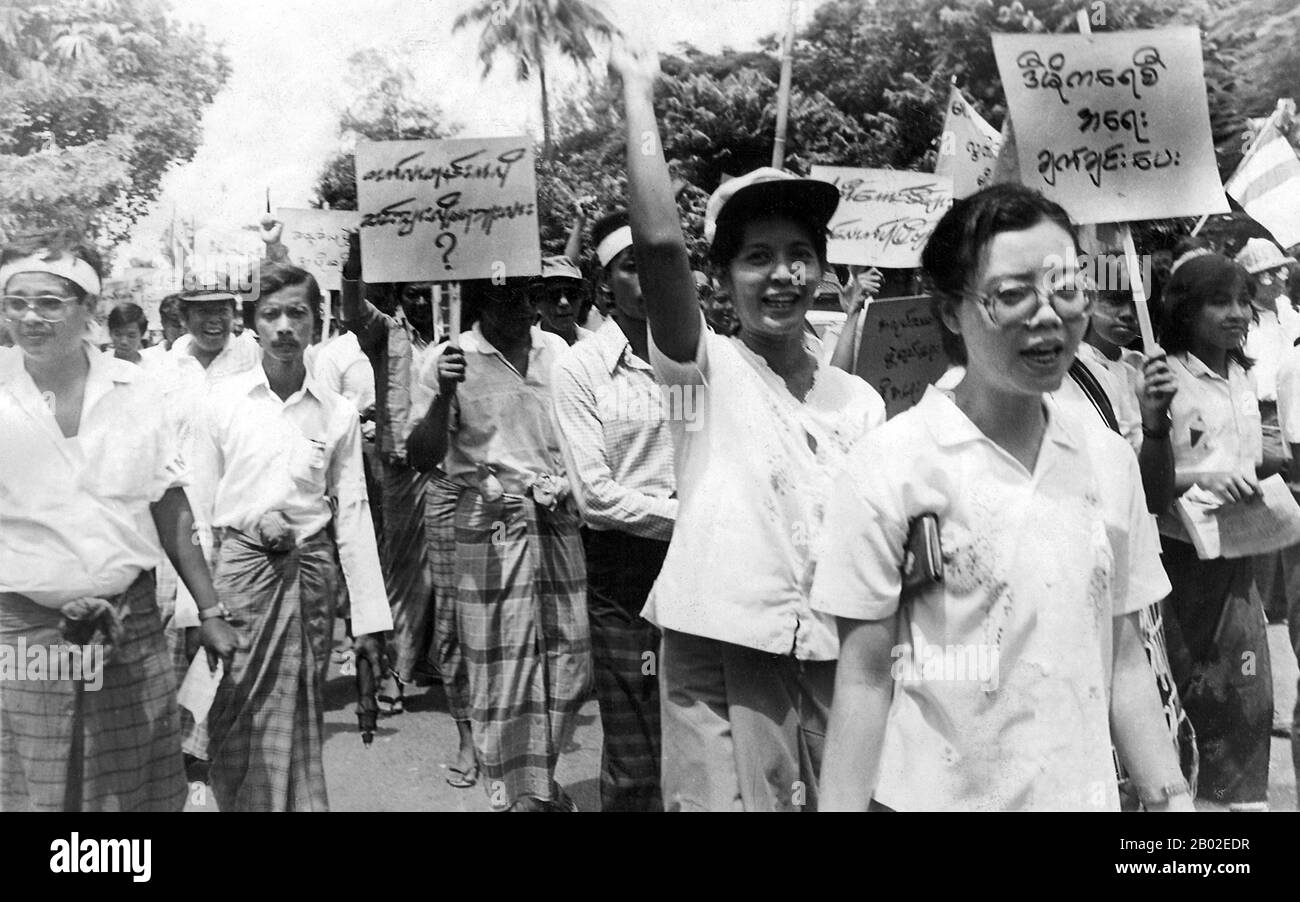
[[359, 315], [573, 248], [663, 263]]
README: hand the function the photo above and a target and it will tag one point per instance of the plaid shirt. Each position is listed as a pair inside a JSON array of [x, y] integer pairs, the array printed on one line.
[[617, 445]]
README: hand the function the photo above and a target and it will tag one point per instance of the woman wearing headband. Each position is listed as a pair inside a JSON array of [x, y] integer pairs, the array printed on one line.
[[747, 666], [93, 499]]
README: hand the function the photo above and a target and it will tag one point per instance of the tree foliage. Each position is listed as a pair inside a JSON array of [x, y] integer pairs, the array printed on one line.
[[100, 99]]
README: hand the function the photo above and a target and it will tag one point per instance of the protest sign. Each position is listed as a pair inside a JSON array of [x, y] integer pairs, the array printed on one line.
[[444, 211], [885, 215], [901, 351], [1113, 126], [317, 240], [968, 147]]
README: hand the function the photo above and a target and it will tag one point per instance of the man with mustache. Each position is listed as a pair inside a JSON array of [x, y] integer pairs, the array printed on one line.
[[278, 460]]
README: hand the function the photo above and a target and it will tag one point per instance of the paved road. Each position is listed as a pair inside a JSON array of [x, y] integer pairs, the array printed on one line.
[[405, 768]]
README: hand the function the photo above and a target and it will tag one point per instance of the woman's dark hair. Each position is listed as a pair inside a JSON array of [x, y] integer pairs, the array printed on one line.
[[124, 315], [274, 276], [728, 241], [57, 243], [1203, 280], [955, 249]]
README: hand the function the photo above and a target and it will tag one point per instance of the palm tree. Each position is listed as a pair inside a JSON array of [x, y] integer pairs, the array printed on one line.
[[528, 28]]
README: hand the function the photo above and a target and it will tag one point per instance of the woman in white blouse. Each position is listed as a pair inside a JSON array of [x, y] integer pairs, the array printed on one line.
[[1003, 685], [747, 667]]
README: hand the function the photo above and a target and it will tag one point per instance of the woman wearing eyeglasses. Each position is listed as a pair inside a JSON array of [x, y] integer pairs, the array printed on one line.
[[520, 572], [1003, 686], [92, 498]]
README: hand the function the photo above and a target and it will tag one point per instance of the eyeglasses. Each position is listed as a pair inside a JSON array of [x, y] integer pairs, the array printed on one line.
[[1281, 276], [50, 307], [1012, 303]]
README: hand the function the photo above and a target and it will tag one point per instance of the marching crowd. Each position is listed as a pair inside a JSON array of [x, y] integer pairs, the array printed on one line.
[[678, 499]]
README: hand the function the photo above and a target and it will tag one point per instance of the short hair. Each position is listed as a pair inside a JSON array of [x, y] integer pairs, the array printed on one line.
[[169, 310], [124, 315], [274, 276], [51, 244], [955, 249], [728, 241], [608, 224], [1197, 282]]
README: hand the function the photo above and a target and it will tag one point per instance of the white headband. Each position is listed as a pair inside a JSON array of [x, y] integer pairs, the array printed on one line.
[[74, 269], [1193, 253], [614, 244]]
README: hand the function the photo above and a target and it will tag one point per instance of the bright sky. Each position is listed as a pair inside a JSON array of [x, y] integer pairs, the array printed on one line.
[[276, 121]]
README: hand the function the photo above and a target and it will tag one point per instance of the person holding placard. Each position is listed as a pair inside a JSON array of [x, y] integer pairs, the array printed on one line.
[[520, 576], [747, 667], [1215, 627], [281, 485], [1001, 682]]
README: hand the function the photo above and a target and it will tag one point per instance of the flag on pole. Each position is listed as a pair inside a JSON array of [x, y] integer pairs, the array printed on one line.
[[968, 147], [1267, 183]]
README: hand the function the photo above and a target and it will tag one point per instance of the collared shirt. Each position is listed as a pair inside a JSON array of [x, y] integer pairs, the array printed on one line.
[[1118, 380], [241, 353], [1288, 395], [613, 417], [754, 467], [1217, 427], [499, 418], [339, 365], [1002, 677], [397, 354], [74, 512], [254, 454]]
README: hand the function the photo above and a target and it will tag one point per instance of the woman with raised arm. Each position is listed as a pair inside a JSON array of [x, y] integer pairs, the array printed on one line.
[[1002, 684], [747, 667]]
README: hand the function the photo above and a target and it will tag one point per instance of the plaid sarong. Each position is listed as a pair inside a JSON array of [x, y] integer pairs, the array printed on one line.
[[402, 554], [440, 499], [522, 619], [267, 721], [132, 753]]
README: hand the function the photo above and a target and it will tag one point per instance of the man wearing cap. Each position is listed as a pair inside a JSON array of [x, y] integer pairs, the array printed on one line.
[[747, 666], [279, 464], [397, 339], [90, 500], [1271, 336], [618, 449], [562, 299], [519, 573]]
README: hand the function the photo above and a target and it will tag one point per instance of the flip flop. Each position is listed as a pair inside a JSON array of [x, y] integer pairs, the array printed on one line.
[[462, 779]]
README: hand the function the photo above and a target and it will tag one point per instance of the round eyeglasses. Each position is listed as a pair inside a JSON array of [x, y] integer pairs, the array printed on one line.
[[52, 308], [1014, 303]]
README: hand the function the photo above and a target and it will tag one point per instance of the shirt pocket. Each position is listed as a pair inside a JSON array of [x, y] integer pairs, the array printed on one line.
[[307, 464]]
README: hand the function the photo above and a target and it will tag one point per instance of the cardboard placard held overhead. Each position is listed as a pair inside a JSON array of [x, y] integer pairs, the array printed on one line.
[[317, 240], [443, 211], [968, 147], [1113, 126], [885, 216], [901, 351]]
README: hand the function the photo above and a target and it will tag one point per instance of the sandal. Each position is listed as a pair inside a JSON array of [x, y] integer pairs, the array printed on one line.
[[462, 779]]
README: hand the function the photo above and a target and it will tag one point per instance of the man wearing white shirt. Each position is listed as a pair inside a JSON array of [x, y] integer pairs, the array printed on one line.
[[278, 462]]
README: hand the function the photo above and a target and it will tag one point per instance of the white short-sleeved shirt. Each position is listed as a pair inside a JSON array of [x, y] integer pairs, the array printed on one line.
[[1120, 381], [1266, 343], [74, 512], [750, 493], [1013, 712], [1217, 427], [1288, 395]]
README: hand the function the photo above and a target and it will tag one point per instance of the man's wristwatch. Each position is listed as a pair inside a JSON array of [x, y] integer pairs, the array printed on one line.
[[1164, 793], [217, 610]]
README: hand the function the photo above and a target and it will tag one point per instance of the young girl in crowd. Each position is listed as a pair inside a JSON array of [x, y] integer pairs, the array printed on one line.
[[1215, 624], [1004, 685], [747, 667]]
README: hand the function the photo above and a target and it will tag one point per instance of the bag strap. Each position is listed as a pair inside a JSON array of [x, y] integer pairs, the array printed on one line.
[[1084, 378]]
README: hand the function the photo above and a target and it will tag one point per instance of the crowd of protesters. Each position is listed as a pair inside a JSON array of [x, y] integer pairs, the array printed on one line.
[[662, 488]]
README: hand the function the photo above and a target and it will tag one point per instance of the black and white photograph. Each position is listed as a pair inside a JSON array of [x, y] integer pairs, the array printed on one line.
[[484, 406]]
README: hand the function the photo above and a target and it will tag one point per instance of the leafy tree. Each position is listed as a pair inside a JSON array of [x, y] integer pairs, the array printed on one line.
[[101, 97], [386, 108], [528, 29]]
